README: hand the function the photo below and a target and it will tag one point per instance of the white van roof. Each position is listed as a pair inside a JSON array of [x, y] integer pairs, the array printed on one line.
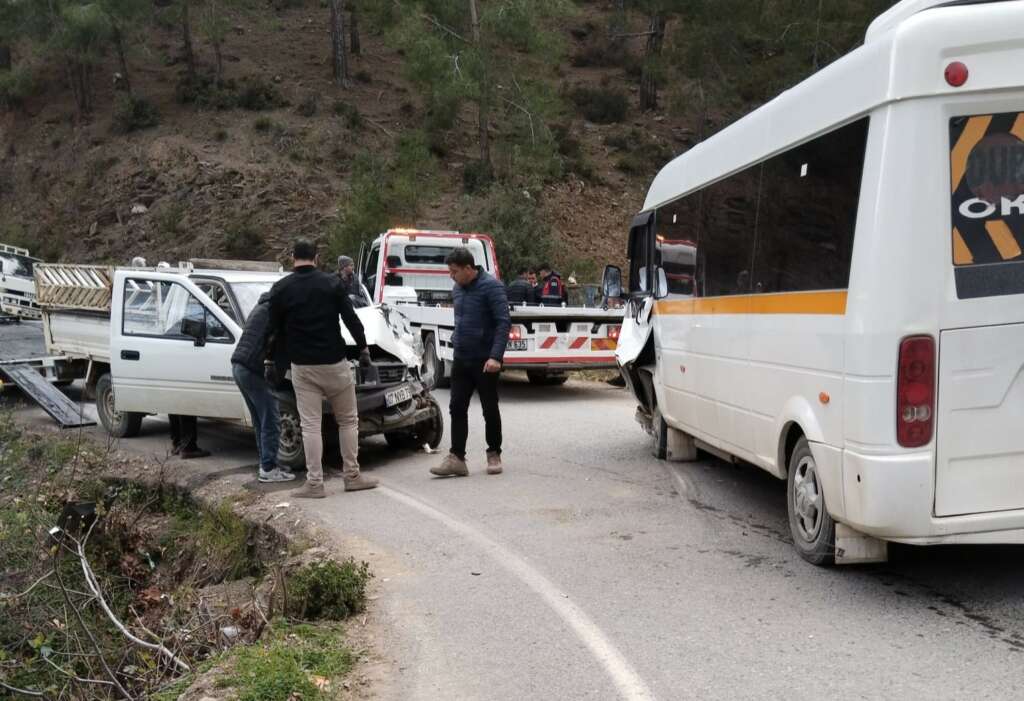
[[904, 60]]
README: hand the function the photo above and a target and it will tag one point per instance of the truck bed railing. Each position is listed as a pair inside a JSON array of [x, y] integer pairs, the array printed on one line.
[[68, 286]]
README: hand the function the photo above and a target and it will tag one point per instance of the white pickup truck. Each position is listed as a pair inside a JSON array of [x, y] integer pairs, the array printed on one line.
[[159, 341], [405, 268]]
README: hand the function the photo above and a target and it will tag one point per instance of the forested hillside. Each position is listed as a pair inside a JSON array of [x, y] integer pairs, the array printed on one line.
[[178, 128]]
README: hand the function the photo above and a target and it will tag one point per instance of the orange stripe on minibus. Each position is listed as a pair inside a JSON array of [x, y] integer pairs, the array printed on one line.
[[961, 253], [831, 303], [972, 134], [1003, 238]]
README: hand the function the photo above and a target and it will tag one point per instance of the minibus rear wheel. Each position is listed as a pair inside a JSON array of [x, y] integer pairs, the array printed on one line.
[[813, 530]]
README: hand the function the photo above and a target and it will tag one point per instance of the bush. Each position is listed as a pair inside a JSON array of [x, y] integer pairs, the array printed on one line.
[[513, 218], [363, 76], [350, 113], [645, 156], [308, 107], [243, 240], [600, 52], [328, 590], [477, 177], [258, 95], [263, 124], [16, 86], [132, 113], [600, 105], [383, 190]]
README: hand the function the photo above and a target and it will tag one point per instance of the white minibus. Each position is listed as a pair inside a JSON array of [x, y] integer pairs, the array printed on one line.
[[832, 289]]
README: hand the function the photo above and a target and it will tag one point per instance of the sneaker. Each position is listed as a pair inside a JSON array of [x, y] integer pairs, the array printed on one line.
[[275, 475], [493, 463], [360, 482], [310, 491], [451, 466], [193, 453]]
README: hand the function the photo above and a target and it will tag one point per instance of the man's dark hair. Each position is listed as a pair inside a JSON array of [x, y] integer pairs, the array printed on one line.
[[460, 256], [544, 266], [522, 271], [304, 250]]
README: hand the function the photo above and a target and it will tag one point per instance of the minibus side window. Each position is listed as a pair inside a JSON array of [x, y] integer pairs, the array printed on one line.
[[728, 221], [677, 235], [808, 214]]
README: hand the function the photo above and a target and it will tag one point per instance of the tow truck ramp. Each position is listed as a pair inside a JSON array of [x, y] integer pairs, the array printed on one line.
[[54, 402]]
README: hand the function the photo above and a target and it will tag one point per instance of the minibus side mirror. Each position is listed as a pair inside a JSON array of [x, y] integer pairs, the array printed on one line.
[[611, 285], [661, 285]]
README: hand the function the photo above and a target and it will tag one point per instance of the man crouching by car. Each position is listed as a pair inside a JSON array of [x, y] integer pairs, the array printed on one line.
[[304, 310]]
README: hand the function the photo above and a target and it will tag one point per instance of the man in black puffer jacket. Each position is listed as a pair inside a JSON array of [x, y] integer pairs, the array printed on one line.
[[247, 367], [482, 323]]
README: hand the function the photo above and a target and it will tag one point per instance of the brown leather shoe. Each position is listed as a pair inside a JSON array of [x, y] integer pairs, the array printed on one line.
[[451, 466], [493, 463], [310, 491], [360, 482]]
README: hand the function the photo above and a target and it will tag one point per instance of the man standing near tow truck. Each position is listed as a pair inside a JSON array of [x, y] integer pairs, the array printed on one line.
[[304, 310]]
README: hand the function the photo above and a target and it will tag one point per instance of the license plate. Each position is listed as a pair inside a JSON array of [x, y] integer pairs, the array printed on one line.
[[397, 396], [516, 346]]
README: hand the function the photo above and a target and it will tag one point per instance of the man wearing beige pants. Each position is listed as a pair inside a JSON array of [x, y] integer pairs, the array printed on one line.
[[304, 311]]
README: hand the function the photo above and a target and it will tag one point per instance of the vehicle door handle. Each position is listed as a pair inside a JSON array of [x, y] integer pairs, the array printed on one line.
[[129, 355]]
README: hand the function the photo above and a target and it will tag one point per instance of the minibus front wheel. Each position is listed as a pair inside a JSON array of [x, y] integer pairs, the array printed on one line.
[[813, 530]]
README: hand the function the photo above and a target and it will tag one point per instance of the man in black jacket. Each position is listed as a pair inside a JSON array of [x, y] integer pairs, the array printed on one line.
[[247, 367], [482, 323], [519, 290], [304, 310]]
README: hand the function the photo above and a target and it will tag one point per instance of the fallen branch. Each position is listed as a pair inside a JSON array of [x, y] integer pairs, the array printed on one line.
[[23, 692], [379, 126], [94, 587], [75, 677]]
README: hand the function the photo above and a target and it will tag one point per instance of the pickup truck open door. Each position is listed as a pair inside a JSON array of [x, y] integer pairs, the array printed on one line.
[[171, 347]]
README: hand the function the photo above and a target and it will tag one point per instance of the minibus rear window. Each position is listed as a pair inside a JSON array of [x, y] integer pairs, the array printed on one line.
[[987, 176]]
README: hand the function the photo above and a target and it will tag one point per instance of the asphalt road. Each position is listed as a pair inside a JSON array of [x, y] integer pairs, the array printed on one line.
[[590, 570]]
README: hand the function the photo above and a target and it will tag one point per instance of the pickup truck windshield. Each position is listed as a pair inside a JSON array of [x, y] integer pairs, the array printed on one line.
[[248, 294]]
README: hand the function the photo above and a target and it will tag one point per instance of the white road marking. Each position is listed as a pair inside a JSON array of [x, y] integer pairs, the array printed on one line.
[[625, 678]]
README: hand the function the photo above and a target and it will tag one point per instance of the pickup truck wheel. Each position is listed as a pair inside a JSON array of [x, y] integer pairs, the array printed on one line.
[[813, 530], [542, 377], [431, 431], [290, 451], [119, 424]]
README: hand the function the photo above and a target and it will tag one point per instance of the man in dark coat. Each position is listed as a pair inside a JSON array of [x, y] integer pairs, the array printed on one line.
[[520, 291], [247, 367], [482, 323]]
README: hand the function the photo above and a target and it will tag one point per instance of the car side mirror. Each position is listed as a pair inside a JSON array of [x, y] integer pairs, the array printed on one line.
[[195, 329], [611, 285]]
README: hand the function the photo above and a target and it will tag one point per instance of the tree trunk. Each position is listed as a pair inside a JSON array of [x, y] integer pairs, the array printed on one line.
[[338, 58], [484, 106], [122, 60], [186, 39], [5, 57], [649, 77], [354, 45], [618, 23]]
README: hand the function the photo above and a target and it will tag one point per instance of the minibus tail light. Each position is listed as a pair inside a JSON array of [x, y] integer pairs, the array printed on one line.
[[915, 392], [515, 333], [613, 332]]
